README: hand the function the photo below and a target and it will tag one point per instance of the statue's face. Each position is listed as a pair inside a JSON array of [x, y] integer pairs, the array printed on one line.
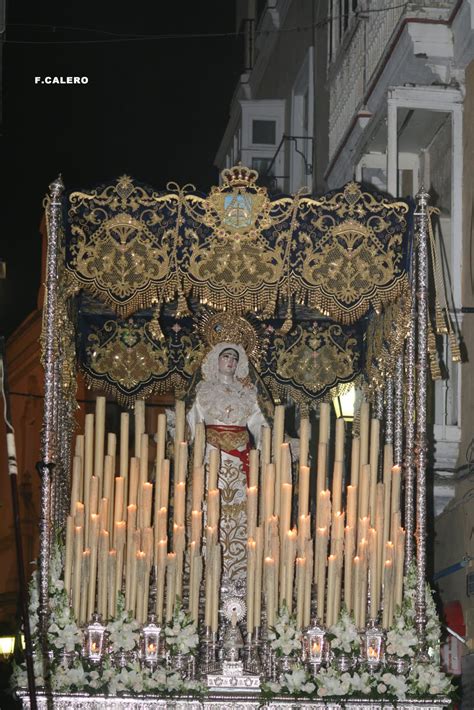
[[228, 360]]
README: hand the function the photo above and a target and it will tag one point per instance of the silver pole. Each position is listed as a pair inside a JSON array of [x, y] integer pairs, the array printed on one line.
[[421, 396], [398, 412], [48, 435], [389, 410]]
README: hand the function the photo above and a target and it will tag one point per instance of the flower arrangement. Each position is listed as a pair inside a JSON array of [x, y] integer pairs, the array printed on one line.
[[295, 681], [123, 630], [180, 634], [343, 636], [284, 637]]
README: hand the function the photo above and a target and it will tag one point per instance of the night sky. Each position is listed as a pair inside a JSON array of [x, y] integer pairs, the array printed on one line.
[[155, 109]]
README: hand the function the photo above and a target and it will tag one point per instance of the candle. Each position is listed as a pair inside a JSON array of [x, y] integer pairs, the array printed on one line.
[[324, 421], [349, 544], [165, 483], [214, 461], [331, 587], [308, 583], [387, 594], [199, 445], [78, 549], [362, 529], [93, 495], [111, 584], [300, 588], [399, 562], [198, 487], [217, 566], [104, 514], [88, 456], [290, 563], [160, 437], [124, 438], [269, 565], [364, 434], [84, 593], [76, 484], [374, 465], [108, 490], [266, 446], [251, 559], [395, 502], [304, 441], [364, 490], [160, 579], [351, 505], [139, 425], [133, 482], [118, 507], [379, 526], [373, 573], [170, 585], [285, 464], [304, 522], [196, 528], [253, 467], [69, 554], [103, 572], [93, 543], [180, 500], [143, 464], [337, 486], [213, 497], [180, 422], [79, 515], [251, 511], [303, 490], [99, 440], [355, 456], [147, 493], [324, 509], [340, 438], [268, 490], [357, 569], [258, 577], [278, 434], [321, 474]]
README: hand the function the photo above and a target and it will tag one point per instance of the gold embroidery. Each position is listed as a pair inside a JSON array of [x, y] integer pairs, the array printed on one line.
[[227, 440], [126, 357]]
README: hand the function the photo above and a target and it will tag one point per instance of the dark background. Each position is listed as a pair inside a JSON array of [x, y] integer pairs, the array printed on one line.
[[155, 109]]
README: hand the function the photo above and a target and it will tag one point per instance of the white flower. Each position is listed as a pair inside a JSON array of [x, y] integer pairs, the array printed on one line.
[[180, 635], [402, 640], [284, 637], [343, 636], [396, 685]]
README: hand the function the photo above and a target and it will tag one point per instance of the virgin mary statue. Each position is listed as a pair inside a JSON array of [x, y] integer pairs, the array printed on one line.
[[227, 402]]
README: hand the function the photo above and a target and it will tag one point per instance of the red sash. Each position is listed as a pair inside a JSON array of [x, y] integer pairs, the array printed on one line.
[[243, 454]]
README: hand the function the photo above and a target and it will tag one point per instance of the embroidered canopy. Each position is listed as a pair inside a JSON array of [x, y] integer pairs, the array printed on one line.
[[312, 272]]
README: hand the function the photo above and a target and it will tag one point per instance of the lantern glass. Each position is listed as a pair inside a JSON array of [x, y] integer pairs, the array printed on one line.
[[151, 639], [345, 404], [373, 646], [314, 644], [95, 639]]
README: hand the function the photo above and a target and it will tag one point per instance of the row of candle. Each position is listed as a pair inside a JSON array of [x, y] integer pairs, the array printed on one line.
[[112, 544]]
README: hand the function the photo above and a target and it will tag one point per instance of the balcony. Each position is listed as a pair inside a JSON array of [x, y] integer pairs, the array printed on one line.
[[364, 48]]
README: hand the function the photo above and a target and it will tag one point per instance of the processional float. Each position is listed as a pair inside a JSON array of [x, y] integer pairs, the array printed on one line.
[[133, 604]]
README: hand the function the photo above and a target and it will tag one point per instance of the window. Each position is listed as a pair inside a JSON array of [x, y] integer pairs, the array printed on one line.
[[263, 132]]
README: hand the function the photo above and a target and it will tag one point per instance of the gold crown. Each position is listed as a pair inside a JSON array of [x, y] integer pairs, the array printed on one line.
[[239, 176]]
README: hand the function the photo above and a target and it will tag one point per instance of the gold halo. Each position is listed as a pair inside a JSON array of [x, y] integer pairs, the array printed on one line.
[[230, 328]]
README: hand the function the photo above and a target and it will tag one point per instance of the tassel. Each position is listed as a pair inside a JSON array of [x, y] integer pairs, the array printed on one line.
[[154, 326], [288, 322], [435, 367], [182, 310], [440, 320], [454, 346]]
